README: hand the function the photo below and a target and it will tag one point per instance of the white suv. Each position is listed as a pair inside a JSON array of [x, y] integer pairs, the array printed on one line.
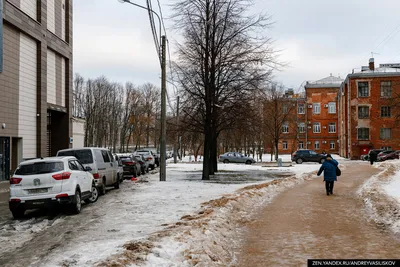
[[148, 156], [40, 183]]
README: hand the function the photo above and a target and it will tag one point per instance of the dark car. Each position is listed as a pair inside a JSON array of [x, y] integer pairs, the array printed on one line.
[[383, 153], [131, 166], [366, 157], [393, 155], [144, 164], [307, 155]]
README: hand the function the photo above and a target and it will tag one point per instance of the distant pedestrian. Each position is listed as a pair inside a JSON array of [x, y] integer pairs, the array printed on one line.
[[372, 156], [329, 169], [324, 153]]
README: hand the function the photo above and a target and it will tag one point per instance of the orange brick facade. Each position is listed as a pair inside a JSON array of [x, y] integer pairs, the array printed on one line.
[[368, 113]]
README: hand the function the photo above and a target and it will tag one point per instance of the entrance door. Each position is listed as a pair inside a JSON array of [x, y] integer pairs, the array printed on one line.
[[4, 158]]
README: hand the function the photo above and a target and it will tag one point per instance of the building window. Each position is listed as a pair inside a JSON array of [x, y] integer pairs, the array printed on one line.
[[386, 89], [300, 109], [363, 112], [332, 107], [332, 144], [332, 127], [284, 145], [363, 134], [386, 112], [317, 127], [363, 89], [301, 144], [285, 128], [316, 108], [316, 145], [285, 109], [386, 133], [302, 127]]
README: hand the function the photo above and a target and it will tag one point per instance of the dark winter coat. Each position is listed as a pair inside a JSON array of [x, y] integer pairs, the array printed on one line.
[[329, 169]]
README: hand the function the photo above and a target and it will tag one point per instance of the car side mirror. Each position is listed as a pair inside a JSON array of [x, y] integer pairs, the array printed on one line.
[[88, 169]]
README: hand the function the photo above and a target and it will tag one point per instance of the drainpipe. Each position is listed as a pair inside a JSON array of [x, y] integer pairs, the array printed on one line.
[[348, 121]]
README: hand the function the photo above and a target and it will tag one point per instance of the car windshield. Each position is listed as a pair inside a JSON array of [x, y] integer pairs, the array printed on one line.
[[40, 168], [83, 155], [126, 159]]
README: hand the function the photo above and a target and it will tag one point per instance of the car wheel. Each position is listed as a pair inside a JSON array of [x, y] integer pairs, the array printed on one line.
[[116, 185], [248, 162], [103, 188], [152, 167], [322, 161], [147, 170], [226, 161], [18, 213], [76, 204], [95, 195], [299, 161]]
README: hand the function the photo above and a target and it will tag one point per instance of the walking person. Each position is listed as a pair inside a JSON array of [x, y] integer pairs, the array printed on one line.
[[329, 169], [372, 156]]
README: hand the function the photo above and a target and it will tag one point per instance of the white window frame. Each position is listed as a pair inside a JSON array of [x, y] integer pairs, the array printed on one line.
[[332, 145], [302, 127], [301, 144], [284, 145], [316, 145], [384, 132], [317, 127], [332, 127], [301, 108], [285, 109], [316, 108], [285, 128], [332, 107]]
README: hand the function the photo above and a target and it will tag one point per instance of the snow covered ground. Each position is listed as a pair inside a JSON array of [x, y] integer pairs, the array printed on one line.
[[381, 195]]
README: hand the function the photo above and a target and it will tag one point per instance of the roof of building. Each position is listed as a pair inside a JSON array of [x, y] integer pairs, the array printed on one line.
[[330, 81]]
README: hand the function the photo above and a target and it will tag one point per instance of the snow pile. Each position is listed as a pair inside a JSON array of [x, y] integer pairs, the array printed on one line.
[[381, 195], [208, 237]]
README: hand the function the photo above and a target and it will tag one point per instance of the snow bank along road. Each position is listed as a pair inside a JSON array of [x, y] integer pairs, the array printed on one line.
[[304, 223]]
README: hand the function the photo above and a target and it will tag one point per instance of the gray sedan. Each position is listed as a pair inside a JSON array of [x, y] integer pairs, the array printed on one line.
[[235, 157]]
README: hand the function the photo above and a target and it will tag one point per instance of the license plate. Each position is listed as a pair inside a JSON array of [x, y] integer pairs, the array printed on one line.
[[37, 191], [37, 203]]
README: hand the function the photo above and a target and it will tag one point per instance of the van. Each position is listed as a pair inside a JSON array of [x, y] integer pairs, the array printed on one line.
[[101, 161]]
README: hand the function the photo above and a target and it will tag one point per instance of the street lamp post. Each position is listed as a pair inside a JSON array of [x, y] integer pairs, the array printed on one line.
[[162, 58]]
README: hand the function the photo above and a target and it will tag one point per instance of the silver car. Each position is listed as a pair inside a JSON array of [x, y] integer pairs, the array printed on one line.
[[235, 157]]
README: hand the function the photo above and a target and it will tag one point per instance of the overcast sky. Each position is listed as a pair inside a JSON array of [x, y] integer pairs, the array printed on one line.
[[316, 37]]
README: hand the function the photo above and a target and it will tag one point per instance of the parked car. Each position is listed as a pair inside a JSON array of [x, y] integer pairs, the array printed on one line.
[[392, 155], [120, 170], [149, 156], [235, 157], [383, 153], [131, 166], [101, 161], [307, 155], [41, 183], [377, 151], [144, 164]]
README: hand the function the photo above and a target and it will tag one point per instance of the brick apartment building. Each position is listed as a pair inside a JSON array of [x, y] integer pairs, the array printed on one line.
[[313, 123], [368, 113], [35, 80]]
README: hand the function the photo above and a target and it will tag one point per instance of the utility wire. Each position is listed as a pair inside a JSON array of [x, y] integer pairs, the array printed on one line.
[[153, 29]]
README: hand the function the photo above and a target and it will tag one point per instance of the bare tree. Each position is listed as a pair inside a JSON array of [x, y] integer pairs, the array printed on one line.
[[279, 115], [224, 57]]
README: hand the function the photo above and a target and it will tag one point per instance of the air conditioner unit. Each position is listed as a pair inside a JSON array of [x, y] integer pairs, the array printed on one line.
[[309, 106], [324, 142], [326, 105]]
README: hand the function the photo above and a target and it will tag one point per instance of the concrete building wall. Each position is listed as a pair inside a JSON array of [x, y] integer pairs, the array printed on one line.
[[23, 80], [27, 95], [78, 126]]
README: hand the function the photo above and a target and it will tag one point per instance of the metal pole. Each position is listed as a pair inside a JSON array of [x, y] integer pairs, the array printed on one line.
[[163, 147], [177, 131]]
